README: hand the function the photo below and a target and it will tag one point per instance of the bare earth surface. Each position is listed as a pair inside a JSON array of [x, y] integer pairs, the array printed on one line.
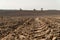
[[30, 28]]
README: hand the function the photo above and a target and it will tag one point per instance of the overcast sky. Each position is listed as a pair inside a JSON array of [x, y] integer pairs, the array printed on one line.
[[30, 4]]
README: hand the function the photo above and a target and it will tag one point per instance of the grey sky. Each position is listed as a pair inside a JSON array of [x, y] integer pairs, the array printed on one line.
[[29, 4]]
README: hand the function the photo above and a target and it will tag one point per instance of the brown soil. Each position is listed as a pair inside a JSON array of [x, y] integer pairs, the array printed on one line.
[[29, 28]]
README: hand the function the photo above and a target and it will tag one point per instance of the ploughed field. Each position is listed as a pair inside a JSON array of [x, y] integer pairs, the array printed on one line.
[[30, 28]]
